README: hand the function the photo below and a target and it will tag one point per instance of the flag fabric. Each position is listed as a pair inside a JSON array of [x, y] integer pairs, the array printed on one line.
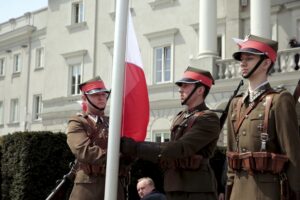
[[135, 116]]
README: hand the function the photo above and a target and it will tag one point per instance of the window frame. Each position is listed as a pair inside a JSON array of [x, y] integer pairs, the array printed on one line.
[[14, 110], [2, 66], [37, 107], [77, 13], [160, 39], [1, 113], [164, 135], [17, 63], [163, 64], [78, 78], [39, 57]]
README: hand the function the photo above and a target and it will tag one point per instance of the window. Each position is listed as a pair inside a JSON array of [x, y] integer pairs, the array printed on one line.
[[298, 29], [2, 64], [75, 62], [14, 110], [163, 46], [162, 64], [1, 113], [77, 12], [37, 107], [75, 78], [39, 58], [17, 63], [161, 137]]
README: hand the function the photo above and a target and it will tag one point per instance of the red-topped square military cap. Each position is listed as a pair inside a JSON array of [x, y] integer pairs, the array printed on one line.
[[195, 75], [93, 86], [256, 45]]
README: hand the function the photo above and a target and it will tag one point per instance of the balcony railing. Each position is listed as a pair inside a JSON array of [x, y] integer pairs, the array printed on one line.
[[229, 68]]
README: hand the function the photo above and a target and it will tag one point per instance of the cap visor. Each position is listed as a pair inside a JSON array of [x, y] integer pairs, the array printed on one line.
[[97, 91], [185, 80], [237, 55]]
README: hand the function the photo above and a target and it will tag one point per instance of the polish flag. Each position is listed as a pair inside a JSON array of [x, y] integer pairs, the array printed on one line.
[[136, 101]]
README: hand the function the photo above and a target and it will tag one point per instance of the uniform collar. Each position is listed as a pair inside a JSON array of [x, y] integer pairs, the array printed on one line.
[[95, 118], [198, 108], [261, 89]]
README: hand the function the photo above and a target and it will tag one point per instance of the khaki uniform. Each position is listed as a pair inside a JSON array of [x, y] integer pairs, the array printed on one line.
[[283, 139], [188, 175], [88, 142]]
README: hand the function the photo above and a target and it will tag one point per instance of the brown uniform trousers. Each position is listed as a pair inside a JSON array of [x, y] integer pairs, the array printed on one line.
[[89, 148], [283, 139]]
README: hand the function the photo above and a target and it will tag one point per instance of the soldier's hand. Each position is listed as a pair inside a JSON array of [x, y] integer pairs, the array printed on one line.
[[128, 146]]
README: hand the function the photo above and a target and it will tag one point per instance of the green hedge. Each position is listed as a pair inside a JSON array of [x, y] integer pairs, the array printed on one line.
[[31, 163]]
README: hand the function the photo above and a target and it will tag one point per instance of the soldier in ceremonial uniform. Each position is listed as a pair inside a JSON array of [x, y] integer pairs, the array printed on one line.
[[194, 135], [263, 140], [87, 137]]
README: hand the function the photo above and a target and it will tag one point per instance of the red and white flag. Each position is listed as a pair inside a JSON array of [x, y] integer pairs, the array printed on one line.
[[135, 100]]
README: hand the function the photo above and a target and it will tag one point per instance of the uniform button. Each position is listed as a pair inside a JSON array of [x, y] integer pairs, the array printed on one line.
[[260, 115], [244, 150], [246, 116], [244, 133]]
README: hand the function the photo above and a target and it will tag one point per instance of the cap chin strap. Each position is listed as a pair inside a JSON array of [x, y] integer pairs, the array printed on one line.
[[190, 95], [255, 67], [90, 102]]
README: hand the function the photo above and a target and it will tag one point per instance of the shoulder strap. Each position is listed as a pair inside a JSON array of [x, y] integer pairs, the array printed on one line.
[[269, 99], [193, 118], [240, 118]]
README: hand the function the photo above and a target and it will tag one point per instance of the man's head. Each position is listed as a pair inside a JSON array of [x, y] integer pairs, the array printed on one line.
[[145, 186], [254, 46], [95, 95], [194, 82]]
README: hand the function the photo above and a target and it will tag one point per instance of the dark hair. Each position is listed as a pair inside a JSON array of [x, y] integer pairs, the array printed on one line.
[[206, 89]]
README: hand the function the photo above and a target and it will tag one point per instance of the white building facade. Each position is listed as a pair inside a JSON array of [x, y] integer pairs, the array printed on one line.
[[45, 54]]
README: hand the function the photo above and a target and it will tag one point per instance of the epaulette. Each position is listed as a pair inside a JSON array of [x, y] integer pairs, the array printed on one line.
[[179, 113], [240, 94], [279, 88], [81, 115]]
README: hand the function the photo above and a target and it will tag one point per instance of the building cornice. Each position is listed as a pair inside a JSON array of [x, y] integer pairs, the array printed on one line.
[[11, 36]]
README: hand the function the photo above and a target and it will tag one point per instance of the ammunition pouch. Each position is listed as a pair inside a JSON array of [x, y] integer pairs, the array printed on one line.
[[257, 161], [94, 170], [190, 163], [99, 170]]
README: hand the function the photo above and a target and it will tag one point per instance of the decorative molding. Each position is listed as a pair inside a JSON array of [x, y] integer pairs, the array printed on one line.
[[159, 3], [292, 5], [112, 14], [75, 26], [276, 9], [72, 54], [159, 34]]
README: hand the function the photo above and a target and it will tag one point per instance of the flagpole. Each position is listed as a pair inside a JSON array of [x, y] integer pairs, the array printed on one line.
[[112, 163]]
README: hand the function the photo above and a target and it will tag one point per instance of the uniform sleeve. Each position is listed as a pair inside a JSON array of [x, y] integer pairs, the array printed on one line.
[[204, 133], [230, 142], [81, 145], [288, 135]]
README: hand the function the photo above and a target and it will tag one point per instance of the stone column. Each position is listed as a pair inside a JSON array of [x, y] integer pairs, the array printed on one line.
[[207, 27], [207, 37], [260, 18]]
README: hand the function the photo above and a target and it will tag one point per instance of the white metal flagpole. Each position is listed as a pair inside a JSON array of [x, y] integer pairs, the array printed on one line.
[[112, 163]]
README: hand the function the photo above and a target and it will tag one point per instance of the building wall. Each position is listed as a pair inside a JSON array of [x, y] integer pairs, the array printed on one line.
[[90, 43]]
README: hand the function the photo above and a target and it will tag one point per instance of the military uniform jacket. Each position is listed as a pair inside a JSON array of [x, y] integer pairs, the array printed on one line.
[[89, 148], [283, 139], [198, 139]]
